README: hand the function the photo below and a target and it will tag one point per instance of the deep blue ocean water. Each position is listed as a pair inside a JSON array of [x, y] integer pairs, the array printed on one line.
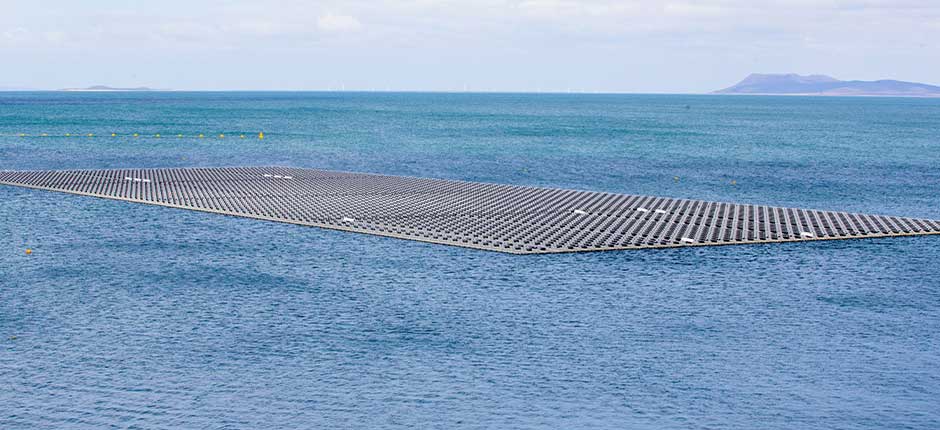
[[135, 316]]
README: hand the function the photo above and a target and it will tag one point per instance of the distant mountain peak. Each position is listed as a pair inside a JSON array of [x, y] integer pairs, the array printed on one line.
[[787, 77], [794, 84]]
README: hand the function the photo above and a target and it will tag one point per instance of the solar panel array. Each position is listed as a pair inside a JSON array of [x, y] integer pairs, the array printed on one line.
[[494, 217]]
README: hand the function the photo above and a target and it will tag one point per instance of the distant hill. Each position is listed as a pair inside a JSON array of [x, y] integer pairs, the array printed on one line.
[[107, 88], [827, 86]]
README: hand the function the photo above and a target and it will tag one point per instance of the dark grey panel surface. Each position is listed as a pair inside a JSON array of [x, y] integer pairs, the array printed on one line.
[[476, 215]]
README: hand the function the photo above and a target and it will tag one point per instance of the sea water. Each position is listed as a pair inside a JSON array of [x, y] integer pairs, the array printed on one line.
[[136, 316]]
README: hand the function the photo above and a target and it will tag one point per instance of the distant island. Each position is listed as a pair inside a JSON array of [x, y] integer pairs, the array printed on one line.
[[107, 88], [822, 85]]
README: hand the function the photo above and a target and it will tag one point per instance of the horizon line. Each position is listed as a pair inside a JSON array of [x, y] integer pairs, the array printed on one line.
[[612, 93], [165, 90]]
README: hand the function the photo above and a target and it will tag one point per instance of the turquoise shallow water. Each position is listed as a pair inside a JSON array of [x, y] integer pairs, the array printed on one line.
[[136, 316]]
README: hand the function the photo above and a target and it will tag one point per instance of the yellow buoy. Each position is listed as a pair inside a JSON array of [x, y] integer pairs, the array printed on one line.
[[22, 134], [90, 135], [29, 251], [45, 134], [221, 136], [201, 136], [68, 134], [135, 135], [675, 178], [261, 136], [112, 134], [241, 136], [157, 135], [733, 182], [179, 135]]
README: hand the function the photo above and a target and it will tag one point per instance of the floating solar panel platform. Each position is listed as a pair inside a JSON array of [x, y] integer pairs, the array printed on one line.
[[506, 218]]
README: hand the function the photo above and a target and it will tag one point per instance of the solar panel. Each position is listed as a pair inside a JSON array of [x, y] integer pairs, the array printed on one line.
[[506, 218]]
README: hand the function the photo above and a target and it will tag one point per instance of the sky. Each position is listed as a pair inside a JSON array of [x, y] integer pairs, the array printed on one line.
[[485, 45]]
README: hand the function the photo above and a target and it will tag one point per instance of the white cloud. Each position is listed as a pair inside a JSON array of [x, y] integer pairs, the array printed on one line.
[[14, 35], [55, 37], [615, 44], [338, 23]]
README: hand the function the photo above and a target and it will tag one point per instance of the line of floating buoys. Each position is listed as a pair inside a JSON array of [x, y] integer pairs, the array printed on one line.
[[134, 135]]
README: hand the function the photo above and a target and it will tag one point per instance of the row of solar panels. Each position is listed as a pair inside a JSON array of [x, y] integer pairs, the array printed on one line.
[[490, 216]]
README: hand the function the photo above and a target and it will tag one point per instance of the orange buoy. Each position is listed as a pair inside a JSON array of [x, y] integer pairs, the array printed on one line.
[[29, 251]]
